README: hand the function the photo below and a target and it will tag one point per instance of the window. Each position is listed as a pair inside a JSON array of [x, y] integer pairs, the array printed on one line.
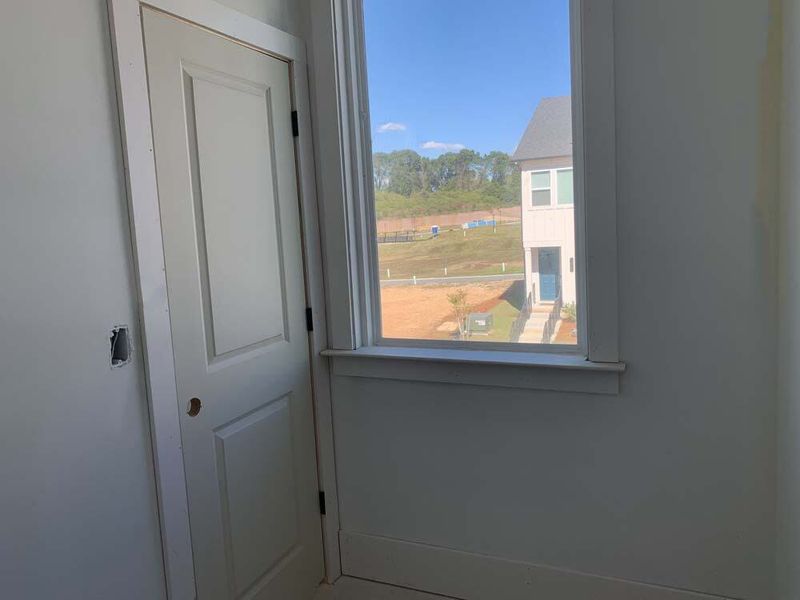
[[435, 121], [540, 187], [566, 187], [452, 169]]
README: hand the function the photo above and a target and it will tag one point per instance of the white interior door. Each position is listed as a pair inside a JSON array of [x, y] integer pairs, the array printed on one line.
[[230, 221]]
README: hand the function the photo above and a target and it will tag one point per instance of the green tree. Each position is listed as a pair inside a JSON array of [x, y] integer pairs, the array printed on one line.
[[407, 174], [499, 167], [458, 301], [467, 167], [381, 172], [404, 168], [442, 171]]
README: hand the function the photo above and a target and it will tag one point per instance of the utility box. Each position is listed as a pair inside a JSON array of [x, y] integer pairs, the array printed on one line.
[[480, 323]]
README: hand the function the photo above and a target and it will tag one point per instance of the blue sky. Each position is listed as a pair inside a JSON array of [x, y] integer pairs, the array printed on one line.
[[462, 72]]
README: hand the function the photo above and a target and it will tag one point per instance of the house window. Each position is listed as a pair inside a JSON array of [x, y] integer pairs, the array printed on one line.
[[566, 187], [439, 252], [541, 191]]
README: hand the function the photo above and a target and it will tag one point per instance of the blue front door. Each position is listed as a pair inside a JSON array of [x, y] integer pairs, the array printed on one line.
[[549, 274]]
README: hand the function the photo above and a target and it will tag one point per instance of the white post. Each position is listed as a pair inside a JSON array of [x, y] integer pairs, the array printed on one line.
[[388, 274], [504, 267], [415, 279], [445, 271]]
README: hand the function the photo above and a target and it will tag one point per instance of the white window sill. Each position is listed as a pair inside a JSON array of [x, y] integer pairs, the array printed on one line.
[[523, 370]]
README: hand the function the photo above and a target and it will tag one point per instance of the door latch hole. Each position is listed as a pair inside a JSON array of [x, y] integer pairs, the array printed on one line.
[[120, 346], [194, 407]]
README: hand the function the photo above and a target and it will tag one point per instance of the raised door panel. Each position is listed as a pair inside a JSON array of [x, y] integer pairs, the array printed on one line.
[[257, 487], [241, 260]]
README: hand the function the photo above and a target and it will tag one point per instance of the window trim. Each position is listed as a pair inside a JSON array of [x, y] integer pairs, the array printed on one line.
[[349, 208]]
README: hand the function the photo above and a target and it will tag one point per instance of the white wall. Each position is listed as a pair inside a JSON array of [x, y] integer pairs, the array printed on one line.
[[673, 481], [789, 314], [77, 503]]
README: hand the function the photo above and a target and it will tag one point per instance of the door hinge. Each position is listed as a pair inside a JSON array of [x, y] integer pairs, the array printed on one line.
[[309, 319], [322, 503], [295, 124]]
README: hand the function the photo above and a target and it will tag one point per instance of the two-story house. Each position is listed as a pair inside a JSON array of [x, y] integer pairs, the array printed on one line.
[[544, 156]]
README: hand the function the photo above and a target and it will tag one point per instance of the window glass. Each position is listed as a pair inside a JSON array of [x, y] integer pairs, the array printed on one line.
[[459, 138], [541, 197], [565, 187], [540, 180], [540, 188]]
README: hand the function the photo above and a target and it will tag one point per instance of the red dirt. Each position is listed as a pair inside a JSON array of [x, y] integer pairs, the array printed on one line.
[[564, 334], [416, 311]]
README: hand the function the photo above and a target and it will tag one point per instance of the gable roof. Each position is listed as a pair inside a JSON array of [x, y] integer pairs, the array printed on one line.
[[549, 132]]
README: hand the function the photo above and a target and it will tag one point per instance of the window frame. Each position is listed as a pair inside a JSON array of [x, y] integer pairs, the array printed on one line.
[[553, 189], [348, 208]]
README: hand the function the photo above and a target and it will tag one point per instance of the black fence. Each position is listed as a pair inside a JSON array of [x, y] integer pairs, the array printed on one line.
[[395, 237]]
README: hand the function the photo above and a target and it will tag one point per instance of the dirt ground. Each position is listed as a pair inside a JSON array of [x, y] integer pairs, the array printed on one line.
[[417, 311], [566, 333]]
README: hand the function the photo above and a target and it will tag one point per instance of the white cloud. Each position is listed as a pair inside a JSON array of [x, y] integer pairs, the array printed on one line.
[[442, 146], [387, 127]]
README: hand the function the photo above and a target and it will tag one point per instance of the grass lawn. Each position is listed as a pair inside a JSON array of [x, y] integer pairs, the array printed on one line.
[[479, 252], [505, 313], [504, 316]]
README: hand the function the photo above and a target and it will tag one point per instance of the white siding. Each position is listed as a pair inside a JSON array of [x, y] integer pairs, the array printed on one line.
[[551, 227]]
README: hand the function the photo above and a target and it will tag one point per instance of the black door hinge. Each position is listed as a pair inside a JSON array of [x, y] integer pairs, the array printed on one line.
[[295, 124], [309, 319], [322, 503]]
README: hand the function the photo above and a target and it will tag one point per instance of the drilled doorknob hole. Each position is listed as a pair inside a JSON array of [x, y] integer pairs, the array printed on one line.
[[194, 407]]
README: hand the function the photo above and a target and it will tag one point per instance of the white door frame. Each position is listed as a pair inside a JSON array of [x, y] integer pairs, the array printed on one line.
[[140, 174]]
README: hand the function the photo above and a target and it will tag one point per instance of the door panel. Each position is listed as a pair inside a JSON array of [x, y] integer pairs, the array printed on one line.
[[257, 496], [242, 241], [232, 246]]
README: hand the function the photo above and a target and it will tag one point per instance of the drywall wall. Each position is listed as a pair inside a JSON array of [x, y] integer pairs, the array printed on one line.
[[788, 573], [673, 481], [78, 513]]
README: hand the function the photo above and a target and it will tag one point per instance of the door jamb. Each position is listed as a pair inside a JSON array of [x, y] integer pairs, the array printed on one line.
[[125, 19]]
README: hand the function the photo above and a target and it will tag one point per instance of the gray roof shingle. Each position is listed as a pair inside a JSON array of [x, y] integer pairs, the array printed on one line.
[[549, 132]]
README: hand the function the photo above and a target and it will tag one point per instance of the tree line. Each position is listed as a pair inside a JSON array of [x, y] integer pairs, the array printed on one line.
[[406, 173]]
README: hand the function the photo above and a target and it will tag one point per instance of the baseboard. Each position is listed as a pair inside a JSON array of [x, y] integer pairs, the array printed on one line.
[[474, 577], [350, 588]]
